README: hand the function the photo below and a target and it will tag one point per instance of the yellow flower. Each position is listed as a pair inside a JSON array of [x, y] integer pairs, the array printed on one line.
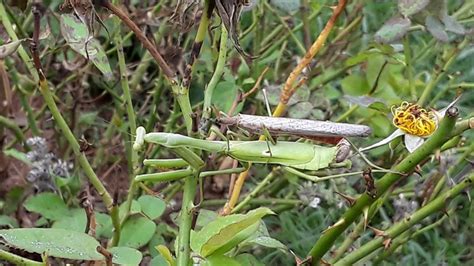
[[414, 122]]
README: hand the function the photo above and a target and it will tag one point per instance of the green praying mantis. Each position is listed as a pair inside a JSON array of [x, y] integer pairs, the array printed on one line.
[[296, 155]]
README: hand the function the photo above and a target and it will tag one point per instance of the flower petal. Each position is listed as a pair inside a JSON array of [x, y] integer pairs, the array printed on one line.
[[386, 140], [412, 142]]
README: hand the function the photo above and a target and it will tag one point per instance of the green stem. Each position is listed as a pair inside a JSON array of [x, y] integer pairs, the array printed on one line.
[[5, 122], [17, 260], [434, 206], [217, 74], [185, 220], [327, 239], [89, 172], [256, 191], [21, 51]]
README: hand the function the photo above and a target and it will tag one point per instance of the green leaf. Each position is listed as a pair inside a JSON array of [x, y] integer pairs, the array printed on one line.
[[246, 259], [49, 205], [126, 256], [7, 221], [54, 242], [218, 260], [104, 225], [76, 34], [205, 217], [9, 48], [134, 209], [355, 85], [136, 232], [262, 238], [159, 261], [411, 7], [225, 233], [76, 221], [224, 95], [153, 207], [436, 28], [392, 30]]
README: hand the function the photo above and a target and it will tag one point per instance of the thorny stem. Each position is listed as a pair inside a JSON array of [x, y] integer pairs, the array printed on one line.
[[186, 218], [286, 94], [434, 206], [327, 239]]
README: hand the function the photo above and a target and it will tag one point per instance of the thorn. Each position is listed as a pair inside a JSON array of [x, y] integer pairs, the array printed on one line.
[[377, 232], [417, 170], [350, 200], [437, 155], [340, 222], [387, 242], [300, 261], [366, 216]]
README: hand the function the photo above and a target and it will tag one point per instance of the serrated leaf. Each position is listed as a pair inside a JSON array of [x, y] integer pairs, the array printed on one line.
[[436, 28], [49, 205], [392, 30], [152, 207], [126, 256], [136, 232], [77, 35], [223, 233], [59, 243], [411, 7], [9, 48]]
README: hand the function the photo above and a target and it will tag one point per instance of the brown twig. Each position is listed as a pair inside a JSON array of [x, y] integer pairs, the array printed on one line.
[[141, 37]]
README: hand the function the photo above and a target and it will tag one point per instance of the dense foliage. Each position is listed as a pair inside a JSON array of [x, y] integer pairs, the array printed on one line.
[[121, 139]]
